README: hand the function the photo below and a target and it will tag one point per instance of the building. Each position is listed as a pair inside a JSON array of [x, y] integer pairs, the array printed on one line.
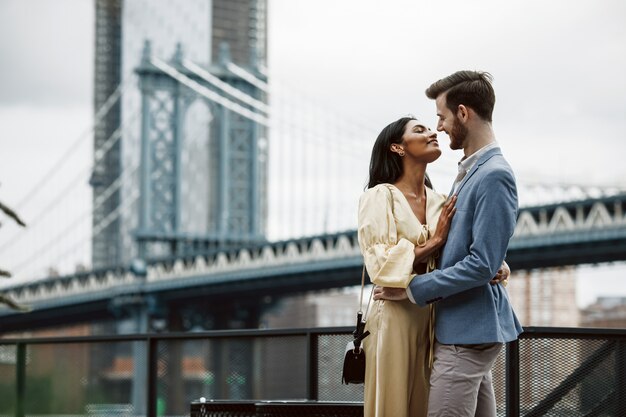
[[606, 312], [331, 308], [545, 297]]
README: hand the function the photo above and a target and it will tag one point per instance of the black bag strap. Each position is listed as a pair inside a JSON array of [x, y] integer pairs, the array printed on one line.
[[367, 309], [359, 333], [363, 317]]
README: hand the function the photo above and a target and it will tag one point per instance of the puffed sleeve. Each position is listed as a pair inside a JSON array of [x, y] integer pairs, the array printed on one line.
[[389, 261]]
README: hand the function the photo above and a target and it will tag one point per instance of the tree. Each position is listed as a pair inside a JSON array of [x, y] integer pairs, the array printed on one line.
[[4, 297]]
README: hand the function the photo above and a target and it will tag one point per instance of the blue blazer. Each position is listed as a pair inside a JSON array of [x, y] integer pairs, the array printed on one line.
[[469, 310]]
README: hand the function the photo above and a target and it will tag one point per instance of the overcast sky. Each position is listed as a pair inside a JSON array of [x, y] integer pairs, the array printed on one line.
[[558, 67], [558, 70]]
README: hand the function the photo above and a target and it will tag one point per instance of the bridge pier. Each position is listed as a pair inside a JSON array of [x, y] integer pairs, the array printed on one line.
[[138, 309], [232, 359], [228, 359], [140, 363]]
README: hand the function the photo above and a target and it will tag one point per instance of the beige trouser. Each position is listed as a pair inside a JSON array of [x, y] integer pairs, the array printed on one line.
[[460, 381]]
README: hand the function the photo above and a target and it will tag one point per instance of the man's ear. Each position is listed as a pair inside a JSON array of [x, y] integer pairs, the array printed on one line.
[[463, 112]]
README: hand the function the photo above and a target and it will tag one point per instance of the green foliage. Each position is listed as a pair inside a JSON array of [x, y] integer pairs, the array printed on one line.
[[39, 398], [8, 394], [4, 298], [38, 390]]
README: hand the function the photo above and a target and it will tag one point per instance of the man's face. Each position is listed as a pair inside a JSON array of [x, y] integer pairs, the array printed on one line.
[[449, 123]]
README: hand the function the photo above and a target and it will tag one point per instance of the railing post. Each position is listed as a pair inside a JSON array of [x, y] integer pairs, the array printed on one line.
[[312, 367], [20, 379], [512, 379], [152, 380], [620, 378]]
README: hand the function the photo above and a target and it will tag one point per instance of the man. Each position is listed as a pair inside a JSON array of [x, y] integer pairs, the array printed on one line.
[[473, 318]]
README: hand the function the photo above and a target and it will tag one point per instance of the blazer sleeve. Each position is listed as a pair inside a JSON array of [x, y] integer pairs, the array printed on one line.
[[388, 260], [492, 227]]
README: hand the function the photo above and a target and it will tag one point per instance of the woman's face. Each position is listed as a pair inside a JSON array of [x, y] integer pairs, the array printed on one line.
[[420, 142]]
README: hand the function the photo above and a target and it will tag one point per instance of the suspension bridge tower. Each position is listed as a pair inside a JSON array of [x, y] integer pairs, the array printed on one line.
[[182, 173]]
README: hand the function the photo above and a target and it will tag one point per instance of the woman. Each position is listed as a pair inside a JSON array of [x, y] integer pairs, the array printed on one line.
[[403, 224]]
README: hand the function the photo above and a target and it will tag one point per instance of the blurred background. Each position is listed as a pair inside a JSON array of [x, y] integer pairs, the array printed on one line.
[[81, 91], [195, 165]]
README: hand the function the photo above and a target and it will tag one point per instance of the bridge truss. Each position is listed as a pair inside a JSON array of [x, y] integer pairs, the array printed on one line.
[[580, 232]]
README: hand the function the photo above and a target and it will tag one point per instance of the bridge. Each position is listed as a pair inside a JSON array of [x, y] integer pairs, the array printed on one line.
[[214, 205], [577, 232]]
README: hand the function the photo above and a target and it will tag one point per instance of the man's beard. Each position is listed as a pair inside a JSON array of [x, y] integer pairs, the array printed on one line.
[[457, 134]]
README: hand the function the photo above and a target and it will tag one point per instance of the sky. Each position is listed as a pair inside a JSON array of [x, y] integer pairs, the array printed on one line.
[[558, 69]]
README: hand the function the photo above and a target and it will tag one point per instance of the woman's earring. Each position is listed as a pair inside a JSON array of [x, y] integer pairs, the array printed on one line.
[[397, 150]]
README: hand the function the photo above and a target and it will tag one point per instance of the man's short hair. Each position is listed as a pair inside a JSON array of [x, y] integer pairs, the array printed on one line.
[[471, 88]]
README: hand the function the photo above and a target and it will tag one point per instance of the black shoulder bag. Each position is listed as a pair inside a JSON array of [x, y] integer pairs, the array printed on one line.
[[354, 359]]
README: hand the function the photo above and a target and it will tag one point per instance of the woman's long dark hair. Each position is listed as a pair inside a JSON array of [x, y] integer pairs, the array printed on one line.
[[385, 165]]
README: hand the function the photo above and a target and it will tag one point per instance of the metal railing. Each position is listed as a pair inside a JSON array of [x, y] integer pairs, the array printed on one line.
[[548, 371], [566, 372]]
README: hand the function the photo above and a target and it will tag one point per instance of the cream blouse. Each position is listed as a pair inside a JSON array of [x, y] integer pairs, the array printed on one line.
[[389, 231]]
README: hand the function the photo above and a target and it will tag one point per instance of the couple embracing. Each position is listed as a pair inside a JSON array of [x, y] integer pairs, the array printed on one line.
[[441, 313]]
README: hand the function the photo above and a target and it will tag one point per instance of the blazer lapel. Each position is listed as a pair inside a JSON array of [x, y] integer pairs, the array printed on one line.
[[490, 153]]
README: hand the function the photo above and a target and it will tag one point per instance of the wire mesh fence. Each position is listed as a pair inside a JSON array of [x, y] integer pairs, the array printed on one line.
[[93, 378], [560, 372], [572, 376]]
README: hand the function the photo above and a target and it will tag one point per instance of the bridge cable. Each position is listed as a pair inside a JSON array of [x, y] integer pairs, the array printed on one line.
[[247, 76], [100, 114], [225, 87], [100, 154], [103, 223], [211, 95]]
